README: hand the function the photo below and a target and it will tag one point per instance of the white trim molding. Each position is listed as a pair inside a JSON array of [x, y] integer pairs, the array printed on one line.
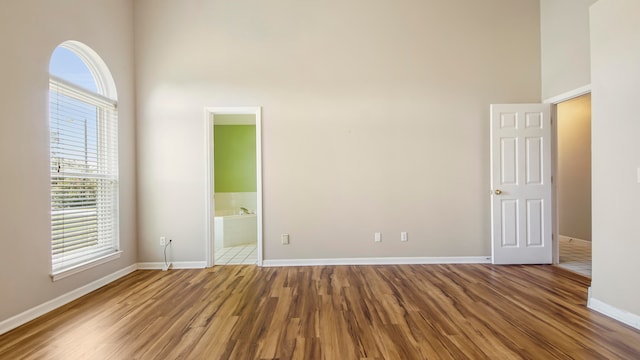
[[85, 266], [380, 261], [569, 95], [39, 310], [99, 69], [571, 238], [172, 265], [613, 312]]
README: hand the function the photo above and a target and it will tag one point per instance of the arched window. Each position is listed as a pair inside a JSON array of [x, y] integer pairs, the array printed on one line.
[[83, 126]]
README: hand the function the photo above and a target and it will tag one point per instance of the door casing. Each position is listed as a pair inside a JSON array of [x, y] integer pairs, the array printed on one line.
[[554, 101], [209, 114]]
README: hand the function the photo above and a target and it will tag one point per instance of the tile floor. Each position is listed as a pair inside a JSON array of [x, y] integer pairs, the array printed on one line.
[[237, 255], [575, 255]]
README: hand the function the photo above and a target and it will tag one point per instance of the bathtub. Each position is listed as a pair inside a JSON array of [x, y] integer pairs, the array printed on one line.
[[234, 230]]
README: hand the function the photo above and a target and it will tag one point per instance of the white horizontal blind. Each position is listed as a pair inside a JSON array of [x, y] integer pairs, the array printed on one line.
[[84, 175]]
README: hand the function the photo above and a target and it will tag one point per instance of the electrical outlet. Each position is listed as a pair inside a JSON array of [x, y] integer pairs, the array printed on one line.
[[163, 241], [377, 237], [403, 236], [284, 238]]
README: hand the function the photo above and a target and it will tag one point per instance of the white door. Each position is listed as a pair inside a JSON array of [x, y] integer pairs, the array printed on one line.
[[521, 184]]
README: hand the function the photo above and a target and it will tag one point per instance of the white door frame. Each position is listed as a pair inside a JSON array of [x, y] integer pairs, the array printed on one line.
[[555, 217], [209, 113]]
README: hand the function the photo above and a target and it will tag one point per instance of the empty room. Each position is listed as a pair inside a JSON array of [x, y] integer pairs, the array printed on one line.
[[217, 179]]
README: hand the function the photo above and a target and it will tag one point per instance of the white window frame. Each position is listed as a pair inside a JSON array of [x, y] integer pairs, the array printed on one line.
[[101, 242]]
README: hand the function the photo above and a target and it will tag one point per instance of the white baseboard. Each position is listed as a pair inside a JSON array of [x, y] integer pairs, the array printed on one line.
[[623, 316], [380, 261], [174, 265], [39, 310], [26, 316], [571, 238]]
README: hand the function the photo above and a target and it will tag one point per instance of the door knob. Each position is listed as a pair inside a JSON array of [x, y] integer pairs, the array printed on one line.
[[497, 192]]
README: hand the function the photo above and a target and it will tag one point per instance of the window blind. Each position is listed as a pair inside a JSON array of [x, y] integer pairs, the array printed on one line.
[[84, 175]]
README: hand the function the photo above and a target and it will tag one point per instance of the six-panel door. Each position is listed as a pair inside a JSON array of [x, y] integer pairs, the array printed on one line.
[[521, 184]]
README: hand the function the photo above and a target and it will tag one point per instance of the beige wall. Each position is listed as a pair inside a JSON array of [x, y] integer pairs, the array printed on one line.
[[29, 31], [574, 167], [615, 58], [565, 45], [375, 117]]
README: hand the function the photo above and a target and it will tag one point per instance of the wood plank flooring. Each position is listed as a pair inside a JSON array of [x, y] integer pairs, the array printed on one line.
[[331, 312]]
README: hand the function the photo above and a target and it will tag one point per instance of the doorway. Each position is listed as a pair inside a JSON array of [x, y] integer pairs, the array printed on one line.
[[234, 186], [573, 183]]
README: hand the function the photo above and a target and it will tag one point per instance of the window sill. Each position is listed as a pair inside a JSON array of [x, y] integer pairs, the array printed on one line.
[[85, 266]]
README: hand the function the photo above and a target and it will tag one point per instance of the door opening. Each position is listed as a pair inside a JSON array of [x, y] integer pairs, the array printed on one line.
[[573, 183], [511, 221], [234, 185]]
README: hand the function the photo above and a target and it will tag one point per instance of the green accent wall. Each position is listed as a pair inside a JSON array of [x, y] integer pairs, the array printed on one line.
[[234, 149]]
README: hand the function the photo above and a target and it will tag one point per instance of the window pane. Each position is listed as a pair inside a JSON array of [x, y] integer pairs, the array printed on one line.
[[68, 66], [83, 128]]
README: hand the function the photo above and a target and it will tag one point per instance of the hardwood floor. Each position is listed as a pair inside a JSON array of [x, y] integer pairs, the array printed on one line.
[[331, 312]]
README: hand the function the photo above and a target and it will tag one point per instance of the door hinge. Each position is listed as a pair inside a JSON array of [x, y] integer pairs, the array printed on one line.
[[552, 179]]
